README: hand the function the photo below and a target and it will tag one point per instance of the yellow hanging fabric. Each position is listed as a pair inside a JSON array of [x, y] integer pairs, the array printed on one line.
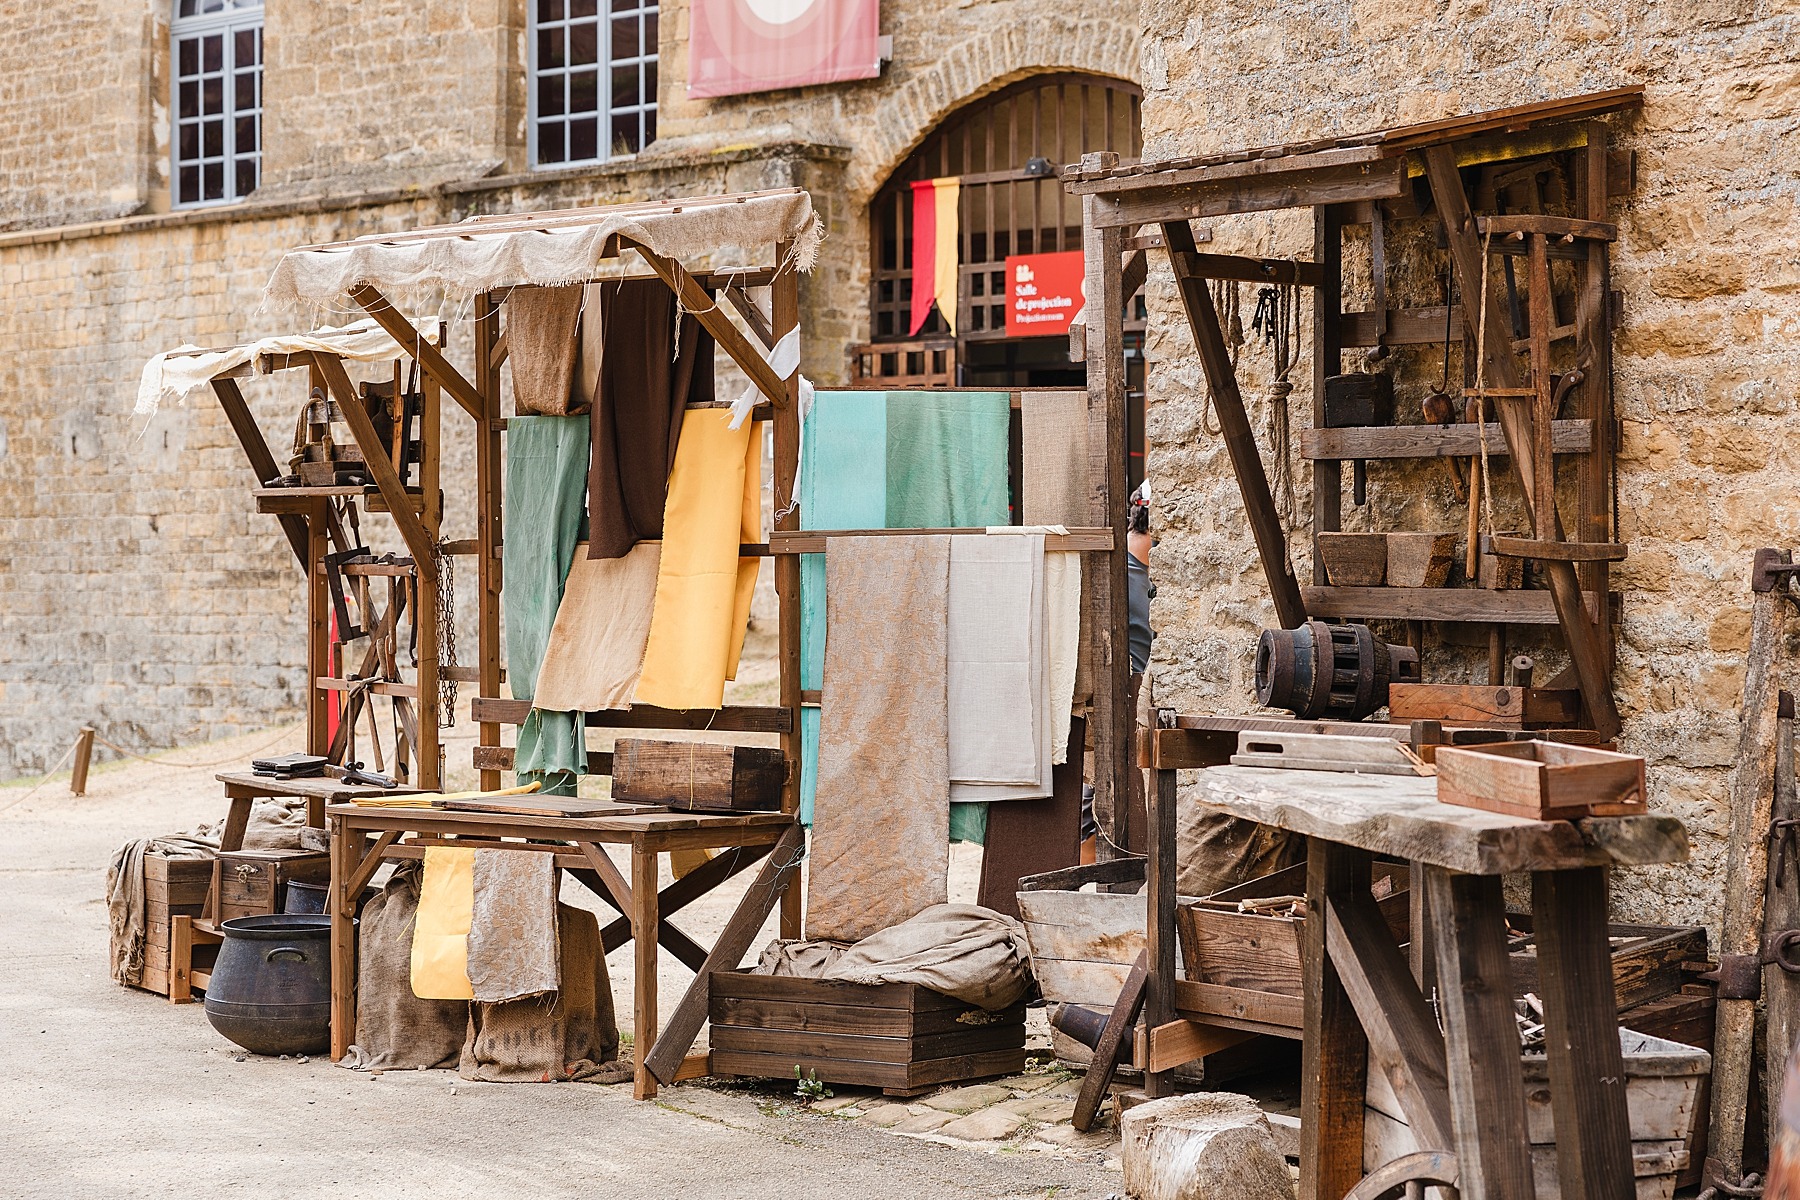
[[946, 277], [440, 949], [703, 588]]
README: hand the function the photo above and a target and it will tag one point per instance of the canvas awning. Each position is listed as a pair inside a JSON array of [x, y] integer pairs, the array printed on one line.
[[562, 247]]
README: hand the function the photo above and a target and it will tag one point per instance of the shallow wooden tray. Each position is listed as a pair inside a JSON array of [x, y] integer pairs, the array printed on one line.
[[1544, 781]]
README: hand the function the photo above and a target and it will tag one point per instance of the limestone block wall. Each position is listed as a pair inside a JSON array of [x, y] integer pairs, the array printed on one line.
[[1707, 363]]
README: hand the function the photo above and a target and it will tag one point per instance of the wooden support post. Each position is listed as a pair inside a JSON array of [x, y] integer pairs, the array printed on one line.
[[1581, 1034], [318, 634], [1328, 350], [342, 908], [784, 310], [1335, 1051], [262, 462], [1781, 911], [643, 930], [1106, 577], [1159, 999], [1240, 441], [1543, 411], [84, 754], [1593, 333], [488, 525], [1481, 1037], [1501, 369], [1752, 805]]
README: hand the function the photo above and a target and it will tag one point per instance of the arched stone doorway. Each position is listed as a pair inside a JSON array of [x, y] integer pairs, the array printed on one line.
[[1006, 151]]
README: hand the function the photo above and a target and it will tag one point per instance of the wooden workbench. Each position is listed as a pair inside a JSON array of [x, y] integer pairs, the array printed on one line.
[[362, 838], [1462, 1089]]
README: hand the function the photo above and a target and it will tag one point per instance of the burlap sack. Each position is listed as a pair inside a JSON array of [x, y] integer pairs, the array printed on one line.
[[395, 1030], [961, 950], [798, 960], [570, 1035]]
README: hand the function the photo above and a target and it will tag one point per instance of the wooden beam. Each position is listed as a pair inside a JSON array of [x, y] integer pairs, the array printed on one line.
[[1328, 355], [1249, 270], [1502, 369], [1164, 1047], [752, 314], [730, 719], [413, 342], [1514, 606], [1405, 326], [1159, 941], [1335, 1052], [1461, 440], [706, 310], [677, 1038], [262, 462], [1240, 441], [1300, 189], [412, 531], [784, 317]]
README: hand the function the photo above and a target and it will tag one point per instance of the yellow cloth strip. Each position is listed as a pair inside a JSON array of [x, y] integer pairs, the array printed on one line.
[[424, 799], [440, 948], [945, 275], [703, 588]]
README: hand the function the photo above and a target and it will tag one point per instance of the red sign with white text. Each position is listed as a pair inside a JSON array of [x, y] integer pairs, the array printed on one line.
[[1043, 293]]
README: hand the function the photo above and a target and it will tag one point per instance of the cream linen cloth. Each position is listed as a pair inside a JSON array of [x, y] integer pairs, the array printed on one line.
[[596, 648], [1062, 631], [1000, 734]]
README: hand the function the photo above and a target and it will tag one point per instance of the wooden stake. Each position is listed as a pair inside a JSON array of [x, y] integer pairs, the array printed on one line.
[[84, 751]]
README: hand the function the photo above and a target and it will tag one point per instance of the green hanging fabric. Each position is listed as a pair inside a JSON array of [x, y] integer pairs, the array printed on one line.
[[543, 519]]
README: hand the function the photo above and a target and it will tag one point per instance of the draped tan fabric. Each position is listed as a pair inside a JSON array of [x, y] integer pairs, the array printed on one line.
[[540, 346], [881, 817], [512, 927], [597, 643]]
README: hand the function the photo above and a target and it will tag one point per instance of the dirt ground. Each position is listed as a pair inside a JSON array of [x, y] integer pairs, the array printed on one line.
[[110, 1092]]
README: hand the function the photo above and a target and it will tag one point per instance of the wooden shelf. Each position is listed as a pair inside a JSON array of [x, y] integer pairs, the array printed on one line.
[[1432, 441], [1513, 607], [300, 499]]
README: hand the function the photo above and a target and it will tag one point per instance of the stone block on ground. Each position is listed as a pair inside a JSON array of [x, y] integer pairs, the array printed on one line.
[[968, 1099], [925, 1122], [882, 1116], [1203, 1146], [985, 1125]]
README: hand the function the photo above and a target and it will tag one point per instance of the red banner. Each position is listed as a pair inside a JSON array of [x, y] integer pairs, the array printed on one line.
[[739, 46], [1043, 293]]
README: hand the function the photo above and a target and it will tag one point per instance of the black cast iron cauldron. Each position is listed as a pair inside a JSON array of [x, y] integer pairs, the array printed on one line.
[[271, 988]]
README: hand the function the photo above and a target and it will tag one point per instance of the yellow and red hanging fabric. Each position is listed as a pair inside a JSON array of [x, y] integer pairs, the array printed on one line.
[[934, 250]]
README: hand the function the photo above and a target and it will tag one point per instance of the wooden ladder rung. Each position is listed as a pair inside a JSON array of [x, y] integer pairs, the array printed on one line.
[[1513, 547]]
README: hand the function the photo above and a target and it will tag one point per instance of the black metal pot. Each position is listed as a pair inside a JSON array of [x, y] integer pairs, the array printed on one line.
[[302, 897], [271, 988]]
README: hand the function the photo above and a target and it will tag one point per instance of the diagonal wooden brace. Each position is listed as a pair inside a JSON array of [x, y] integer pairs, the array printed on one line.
[[703, 308], [414, 343]]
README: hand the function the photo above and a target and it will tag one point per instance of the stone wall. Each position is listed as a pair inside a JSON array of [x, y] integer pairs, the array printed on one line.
[[1707, 365]]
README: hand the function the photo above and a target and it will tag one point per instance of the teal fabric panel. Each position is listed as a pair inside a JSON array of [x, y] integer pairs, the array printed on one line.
[[946, 459], [843, 485], [946, 468], [543, 517]]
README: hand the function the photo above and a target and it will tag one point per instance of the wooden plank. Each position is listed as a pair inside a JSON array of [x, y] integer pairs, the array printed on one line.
[[729, 719], [1587, 1069], [1405, 1045], [801, 1044], [1176, 1043], [488, 500], [905, 997], [1299, 189], [1507, 224], [1328, 347], [1462, 440], [1240, 441], [868, 1074], [1400, 817], [1335, 1051], [1248, 270], [859, 1019], [262, 461], [784, 313], [646, 926], [1486, 1081], [815, 541], [734, 941], [1159, 1000], [1592, 664], [1109, 1052], [1404, 326], [500, 758], [429, 357], [1513, 547], [1512, 607], [1472, 704], [1251, 168]]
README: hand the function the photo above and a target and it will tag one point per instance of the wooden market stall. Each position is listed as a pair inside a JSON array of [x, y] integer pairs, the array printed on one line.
[[1518, 196], [483, 260]]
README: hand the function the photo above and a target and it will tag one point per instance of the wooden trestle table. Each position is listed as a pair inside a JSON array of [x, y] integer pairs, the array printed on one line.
[[363, 837], [1462, 1088]]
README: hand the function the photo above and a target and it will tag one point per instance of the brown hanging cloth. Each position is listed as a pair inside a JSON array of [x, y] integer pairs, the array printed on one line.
[[640, 385]]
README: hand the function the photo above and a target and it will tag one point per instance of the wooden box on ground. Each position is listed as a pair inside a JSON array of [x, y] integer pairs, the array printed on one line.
[[173, 887], [900, 1037], [254, 882], [1543, 781], [698, 775], [1688, 1017], [1662, 1093], [1224, 941], [1647, 960]]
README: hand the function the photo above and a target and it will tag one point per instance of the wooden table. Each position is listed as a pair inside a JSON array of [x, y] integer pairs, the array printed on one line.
[[1462, 1089], [362, 838]]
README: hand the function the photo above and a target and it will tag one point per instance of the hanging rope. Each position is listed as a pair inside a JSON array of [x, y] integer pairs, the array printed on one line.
[[1231, 326], [1277, 320]]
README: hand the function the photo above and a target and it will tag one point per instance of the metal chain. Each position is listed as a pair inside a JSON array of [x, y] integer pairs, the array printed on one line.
[[446, 619]]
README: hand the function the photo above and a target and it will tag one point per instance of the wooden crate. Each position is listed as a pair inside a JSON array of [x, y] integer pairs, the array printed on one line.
[[1686, 1017], [899, 1037], [1662, 1094], [1647, 959], [1260, 951], [1544, 781], [252, 883], [173, 887], [698, 776]]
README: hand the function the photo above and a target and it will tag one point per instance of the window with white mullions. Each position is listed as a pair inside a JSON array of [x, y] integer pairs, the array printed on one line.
[[215, 100], [593, 79]]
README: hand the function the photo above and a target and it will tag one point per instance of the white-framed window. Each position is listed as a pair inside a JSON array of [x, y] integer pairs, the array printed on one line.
[[593, 79], [215, 103]]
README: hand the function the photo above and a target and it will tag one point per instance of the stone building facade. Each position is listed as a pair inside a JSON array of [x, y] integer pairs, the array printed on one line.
[[1707, 363], [139, 592]]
